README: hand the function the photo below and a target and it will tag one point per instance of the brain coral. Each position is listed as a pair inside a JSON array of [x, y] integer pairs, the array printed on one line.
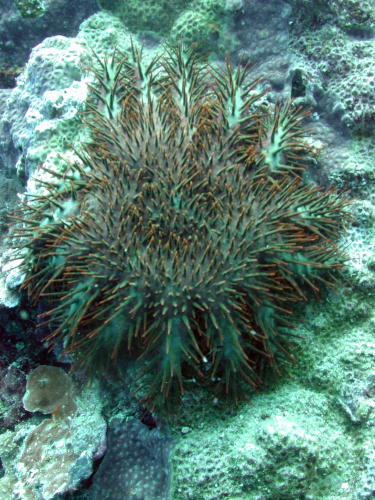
[[187, 234]]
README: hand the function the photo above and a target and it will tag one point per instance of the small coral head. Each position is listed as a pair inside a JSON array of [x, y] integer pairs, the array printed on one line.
[[185, 236]]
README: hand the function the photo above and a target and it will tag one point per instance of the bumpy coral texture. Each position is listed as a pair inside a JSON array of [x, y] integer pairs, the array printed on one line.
[[187, 234], [147, 15], [195, 28], [136, 465]]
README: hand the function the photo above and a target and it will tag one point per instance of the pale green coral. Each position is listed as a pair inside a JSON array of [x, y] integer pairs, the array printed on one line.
[[155, 16], [205, 26], [197, 22], [195, 28]]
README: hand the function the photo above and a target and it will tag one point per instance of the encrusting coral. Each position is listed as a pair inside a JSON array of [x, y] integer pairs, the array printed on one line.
[[187, 233], [49, 389]]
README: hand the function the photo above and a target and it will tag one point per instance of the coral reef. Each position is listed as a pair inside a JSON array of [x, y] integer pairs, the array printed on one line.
[[39, 119], [146, 15], [346, 66], [52, 457], [49, 389], [191, 255], [312, 438], [205, 26], [48, 96], [274, 448], [197, 23], [195, 28], [336, 42], [136, 465]]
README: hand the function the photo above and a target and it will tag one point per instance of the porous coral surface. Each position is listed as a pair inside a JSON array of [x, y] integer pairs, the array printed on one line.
[[136, 466], [346, 65], [149, 15]]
